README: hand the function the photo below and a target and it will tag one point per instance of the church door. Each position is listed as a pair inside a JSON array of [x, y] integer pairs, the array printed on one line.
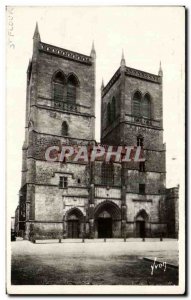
[[104, 227], [73, 229], [140, 229]]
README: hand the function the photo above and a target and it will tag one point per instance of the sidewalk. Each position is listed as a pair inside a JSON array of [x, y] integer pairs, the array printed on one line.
[[102, 240]]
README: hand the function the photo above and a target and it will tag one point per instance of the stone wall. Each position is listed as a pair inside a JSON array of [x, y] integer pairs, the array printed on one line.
[[171, 210]]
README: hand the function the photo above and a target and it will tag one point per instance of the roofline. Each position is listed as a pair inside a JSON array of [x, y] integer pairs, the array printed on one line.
[[142, 75], [111, 82], [133, 73], [64, 53]]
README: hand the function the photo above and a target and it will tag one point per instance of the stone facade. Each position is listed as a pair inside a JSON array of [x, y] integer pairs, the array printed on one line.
[[133, 203]]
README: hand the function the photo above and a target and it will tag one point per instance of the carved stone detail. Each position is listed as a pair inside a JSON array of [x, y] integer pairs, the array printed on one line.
[[65, 53]]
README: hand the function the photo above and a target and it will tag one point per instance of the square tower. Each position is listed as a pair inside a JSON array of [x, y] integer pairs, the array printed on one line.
[[132, 115], [60, 110]]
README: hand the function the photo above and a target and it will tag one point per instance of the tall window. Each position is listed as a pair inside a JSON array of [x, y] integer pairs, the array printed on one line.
[[146, 106], [107, 173], [58, 85], [113, 109], [108, 113], [137, 104], [72, 84], [64, 128]]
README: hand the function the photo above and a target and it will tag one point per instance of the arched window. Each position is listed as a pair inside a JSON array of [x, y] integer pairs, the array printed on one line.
[[107, 173], [58, 86], [146, 106], [137, 104], [113, 109], [72, 84], [109, 113], [64, 128]]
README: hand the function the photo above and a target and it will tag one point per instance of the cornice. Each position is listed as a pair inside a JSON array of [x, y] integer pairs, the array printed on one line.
[[67, 54]]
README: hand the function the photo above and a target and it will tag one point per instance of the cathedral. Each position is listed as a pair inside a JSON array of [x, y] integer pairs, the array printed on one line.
[[69, 199]]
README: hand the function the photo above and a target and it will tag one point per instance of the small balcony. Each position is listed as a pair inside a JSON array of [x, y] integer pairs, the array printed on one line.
[[65, 106], [143, 121]]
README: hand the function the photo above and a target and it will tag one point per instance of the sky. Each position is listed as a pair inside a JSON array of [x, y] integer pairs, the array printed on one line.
[[147, 36]]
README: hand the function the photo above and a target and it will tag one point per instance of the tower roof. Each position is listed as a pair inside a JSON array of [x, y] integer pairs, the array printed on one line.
[[160, 72], [93, 52], [102, 84], [123, 63], [36, 33]]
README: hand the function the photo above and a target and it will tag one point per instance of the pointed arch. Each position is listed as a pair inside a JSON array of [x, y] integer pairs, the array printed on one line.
[[110, 207], [142, 215], [142, 224], [65, 128], [146, 106], [59, 82], [59, 77], [137, 103], [74, 213], [72, 85], [74, 78], [74, 223]]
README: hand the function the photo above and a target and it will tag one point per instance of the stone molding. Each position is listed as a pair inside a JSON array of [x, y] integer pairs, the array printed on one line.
[[67, 54]]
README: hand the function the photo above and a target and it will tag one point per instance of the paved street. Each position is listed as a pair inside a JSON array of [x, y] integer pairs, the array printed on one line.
[[93, 262]]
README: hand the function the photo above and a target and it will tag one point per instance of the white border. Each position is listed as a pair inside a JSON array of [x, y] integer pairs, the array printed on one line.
[[67, 289]]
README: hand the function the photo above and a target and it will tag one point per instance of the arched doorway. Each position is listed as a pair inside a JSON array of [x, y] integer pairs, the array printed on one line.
[[107, 220], [142, 224], [74, 223]]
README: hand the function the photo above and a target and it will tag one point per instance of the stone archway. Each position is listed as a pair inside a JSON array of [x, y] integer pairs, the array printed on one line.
[[74, 223], [107, 220], [142, 224]]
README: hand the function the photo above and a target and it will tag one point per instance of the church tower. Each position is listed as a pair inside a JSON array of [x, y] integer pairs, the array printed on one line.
[[60, 110], [132, 115]]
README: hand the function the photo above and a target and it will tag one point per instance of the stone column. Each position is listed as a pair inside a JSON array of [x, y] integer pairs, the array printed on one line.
[[123, 211], [91, 220], [91, 211], [124, 219], [92, 229]]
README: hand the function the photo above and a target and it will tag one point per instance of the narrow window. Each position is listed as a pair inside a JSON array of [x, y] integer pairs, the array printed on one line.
[[140, 141], [146, 106], [142, 166], [79, 180], [61, 182], [142, 188], [64, 128], [72, 84], [58, 85], [65, 182], [137, 104]]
